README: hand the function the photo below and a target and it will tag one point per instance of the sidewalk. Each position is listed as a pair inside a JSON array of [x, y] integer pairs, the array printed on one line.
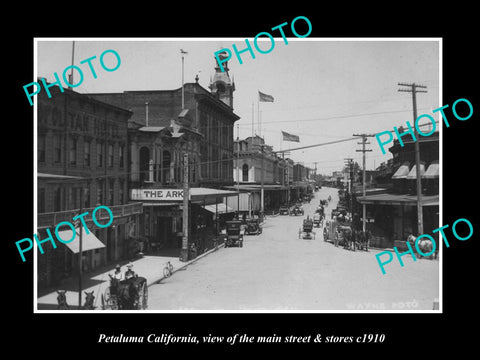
[[149, 266]]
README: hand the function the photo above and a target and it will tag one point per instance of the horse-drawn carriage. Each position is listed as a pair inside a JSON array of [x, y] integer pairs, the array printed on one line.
[[306, 231], [252, 226], [128, 294]]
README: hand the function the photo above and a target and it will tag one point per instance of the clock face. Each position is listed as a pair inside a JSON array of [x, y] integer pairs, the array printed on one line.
[[220, 88]]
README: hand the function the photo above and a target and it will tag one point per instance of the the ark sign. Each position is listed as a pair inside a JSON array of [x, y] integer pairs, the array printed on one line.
[[157, 194]]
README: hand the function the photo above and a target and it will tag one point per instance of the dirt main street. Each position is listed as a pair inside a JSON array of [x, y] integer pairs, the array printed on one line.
[[278, 271]]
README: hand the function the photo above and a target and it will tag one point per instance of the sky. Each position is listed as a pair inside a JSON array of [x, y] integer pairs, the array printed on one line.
[[324, 89]]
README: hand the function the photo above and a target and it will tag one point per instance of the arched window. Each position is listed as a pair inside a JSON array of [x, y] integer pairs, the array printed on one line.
[[245, 173]]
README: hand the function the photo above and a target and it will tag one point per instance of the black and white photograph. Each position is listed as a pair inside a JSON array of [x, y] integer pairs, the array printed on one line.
[[181, 181], [250, 181]]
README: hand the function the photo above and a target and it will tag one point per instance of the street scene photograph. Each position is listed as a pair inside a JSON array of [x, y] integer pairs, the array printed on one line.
[[237, 175]]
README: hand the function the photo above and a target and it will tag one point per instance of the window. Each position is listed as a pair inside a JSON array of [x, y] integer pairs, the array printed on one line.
[[86, 153], [121, 151], [99, 154], [41, 148], [110, 155], [73, 151], [121, 192], [57, 149], [99, 191], [245, 173], [57, 201], [111, 193], [86, 197], [41, 200]]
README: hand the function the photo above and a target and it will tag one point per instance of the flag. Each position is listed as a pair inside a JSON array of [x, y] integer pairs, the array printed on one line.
[[290, 137], [264, 97]]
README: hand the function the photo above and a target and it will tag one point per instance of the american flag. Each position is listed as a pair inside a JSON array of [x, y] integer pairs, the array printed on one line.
[[264, 97], [290, 137]]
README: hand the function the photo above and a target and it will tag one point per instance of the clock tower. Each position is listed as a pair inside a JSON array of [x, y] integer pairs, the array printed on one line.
[[222, 86]]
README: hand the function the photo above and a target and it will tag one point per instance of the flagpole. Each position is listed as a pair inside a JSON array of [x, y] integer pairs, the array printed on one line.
[[253, 118], [258, 114]]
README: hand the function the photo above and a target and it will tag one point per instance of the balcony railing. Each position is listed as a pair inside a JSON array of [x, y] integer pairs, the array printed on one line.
[[45, 220]]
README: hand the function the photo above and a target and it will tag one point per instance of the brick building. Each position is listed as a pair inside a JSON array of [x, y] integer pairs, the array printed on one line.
[[81, 163]]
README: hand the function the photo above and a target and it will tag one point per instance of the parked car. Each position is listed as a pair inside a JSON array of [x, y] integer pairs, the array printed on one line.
[[284, 210]]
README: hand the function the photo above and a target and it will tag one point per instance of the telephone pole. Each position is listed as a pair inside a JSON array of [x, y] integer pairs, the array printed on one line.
[[349, 166], [414, 89], [186, 198], [262, 194], [363, 143]]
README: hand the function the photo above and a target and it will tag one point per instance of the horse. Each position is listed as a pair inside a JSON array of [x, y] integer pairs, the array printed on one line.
[[362, 239], [62, 300], [89, 298], [424, 245], [349, 236], [126, 292]]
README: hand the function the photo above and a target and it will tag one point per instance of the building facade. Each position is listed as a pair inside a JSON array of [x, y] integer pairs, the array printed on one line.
[[164, 126], [393, 212], [82, 149]]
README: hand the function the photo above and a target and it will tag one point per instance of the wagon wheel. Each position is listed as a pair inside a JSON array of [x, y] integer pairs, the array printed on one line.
[[143, 297], [109, 300]]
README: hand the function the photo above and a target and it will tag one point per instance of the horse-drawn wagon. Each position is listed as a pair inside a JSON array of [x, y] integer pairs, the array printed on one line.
[[306, 231], [128, 294]]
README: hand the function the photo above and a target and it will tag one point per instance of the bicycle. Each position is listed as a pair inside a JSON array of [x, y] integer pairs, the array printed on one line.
[[168, 269]]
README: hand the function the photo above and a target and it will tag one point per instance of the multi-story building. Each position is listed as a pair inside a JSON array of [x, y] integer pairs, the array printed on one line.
[[165, 125], [82, 150]]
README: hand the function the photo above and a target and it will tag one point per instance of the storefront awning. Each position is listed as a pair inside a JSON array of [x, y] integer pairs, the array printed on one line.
[[89, 241], [257, 187], [432, 171], [201, 194], [396, 199], [402, 171], [219, 208], [413, 173]]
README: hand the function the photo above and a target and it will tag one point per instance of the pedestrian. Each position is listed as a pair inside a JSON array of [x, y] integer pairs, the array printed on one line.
[[117, 273], [129, 273]]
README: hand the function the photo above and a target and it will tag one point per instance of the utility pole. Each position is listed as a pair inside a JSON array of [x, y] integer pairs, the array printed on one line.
[[363, 143], [184, 252], [315, 176], [349, 166], [80, 255], [262, 209], [238, 172], [414, 88]]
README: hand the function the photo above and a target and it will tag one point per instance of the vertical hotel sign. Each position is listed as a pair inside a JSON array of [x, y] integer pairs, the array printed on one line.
[[157, 194]]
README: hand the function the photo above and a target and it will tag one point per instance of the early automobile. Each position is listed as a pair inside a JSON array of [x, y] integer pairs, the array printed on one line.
[[297, 210], [234, 233], [253, 226], [317, 220], [284, 210]]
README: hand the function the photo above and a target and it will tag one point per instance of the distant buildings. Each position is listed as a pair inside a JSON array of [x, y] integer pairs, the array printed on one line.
[[284, 181]]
